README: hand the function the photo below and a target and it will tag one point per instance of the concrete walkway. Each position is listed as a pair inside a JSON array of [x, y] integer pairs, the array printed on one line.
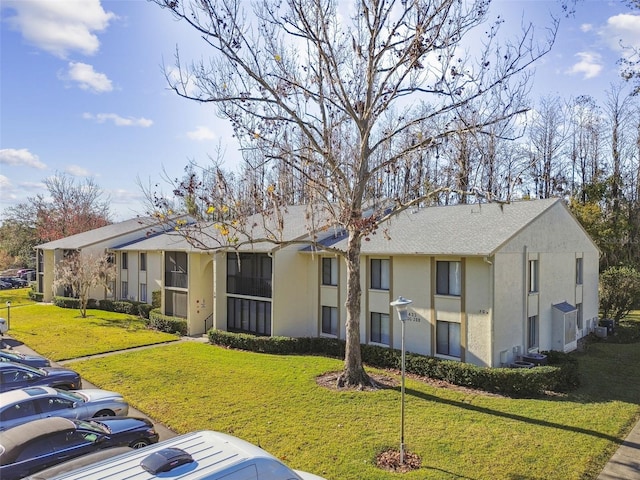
[[623, 465]]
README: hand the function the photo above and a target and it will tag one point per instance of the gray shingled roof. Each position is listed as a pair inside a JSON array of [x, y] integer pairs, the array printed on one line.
[[294, 221], [478, 229], [113, 231]]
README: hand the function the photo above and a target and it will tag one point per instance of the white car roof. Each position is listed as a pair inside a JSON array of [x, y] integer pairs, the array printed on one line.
[[215, 456]]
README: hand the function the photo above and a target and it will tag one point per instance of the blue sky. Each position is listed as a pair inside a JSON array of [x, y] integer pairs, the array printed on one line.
[[82, 89]]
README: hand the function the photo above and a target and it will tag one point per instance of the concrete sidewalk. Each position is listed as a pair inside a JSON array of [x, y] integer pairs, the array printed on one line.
[[623, 465]]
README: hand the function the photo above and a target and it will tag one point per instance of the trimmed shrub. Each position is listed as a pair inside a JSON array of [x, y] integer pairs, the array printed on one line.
[[66, 302], [560, 375], [144, 309], [125, 306], [92, 303], [165, 323], [35, 296], [105, 304], [156, 299]]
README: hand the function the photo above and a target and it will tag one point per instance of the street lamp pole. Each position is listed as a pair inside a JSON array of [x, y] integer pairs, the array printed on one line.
[[8, 315], [401, 305]]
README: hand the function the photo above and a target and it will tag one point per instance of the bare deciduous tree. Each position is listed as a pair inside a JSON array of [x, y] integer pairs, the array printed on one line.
[[80, 272], [345, 96], [71, 207]]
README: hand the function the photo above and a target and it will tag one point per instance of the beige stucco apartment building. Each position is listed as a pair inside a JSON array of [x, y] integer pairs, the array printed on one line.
[[488, 282]]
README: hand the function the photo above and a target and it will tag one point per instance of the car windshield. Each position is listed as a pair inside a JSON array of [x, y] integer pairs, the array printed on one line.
[[93, 426], [13, 354], [37, 371], [73, 396]]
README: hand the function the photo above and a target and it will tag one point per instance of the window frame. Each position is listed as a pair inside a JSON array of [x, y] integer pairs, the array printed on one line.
[[330, 271], [124, 258], [380, 274], [124, 289], [380, 318], [451, 334], [143, 261], [533, 332], [448, 281], [533, 276], [330, 317], [579, 271]]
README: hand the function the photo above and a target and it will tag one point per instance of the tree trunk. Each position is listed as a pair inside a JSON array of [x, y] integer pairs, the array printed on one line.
[[353, 374]]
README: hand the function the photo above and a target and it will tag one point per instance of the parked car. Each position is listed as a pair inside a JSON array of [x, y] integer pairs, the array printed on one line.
[[204, 455], [17, 357], [33, 446], [26, 404], [5, 285], [75, 463], [17, 375], [15, 282]]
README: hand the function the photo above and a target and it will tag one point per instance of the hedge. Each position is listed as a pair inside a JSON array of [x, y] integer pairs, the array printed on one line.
[[165, 323], [35, 296], [129, 307], [560, 375]]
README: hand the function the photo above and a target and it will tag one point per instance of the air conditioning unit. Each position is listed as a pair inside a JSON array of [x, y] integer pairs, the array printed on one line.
[[601, 332]]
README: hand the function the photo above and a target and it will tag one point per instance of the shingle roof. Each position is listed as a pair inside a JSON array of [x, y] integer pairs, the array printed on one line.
[[294, 221], [85, 239], [477, 229]]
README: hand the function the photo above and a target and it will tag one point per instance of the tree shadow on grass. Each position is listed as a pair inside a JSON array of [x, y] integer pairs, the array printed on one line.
[[129, 324], [516, 417]]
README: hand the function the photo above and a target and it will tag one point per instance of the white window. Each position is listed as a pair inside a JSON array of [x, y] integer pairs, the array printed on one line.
[[532, 332], [448, 278], [143, 261], [448, 339], [533, 276], [143, 292], [330, 320], [579, 316], [124, 290], [125, 261], [379, 328], [330, 271], [380, 274], [578, 271]]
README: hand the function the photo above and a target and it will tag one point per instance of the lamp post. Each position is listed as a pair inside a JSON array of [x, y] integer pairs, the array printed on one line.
[[401, 304], [8, 315]]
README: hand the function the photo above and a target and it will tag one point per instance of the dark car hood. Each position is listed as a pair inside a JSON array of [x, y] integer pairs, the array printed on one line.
[[122, 424]]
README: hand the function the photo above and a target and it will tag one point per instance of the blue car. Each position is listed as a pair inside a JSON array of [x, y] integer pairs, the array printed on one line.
[[37, 445], [17, 357], [16, 375]]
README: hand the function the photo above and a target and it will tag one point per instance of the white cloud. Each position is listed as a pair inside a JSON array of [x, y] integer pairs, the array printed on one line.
[[586, 27], [117, 120], [5, 184], [77, 171], [87, 78], [201, 133], [60, 27], [20, 157], [622, 31], [590, 65]]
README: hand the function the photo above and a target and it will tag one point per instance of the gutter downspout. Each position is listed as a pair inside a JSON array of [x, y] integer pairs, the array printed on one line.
[[492, 299]]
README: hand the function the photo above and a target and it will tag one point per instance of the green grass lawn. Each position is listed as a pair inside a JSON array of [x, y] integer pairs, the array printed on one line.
[[274, 401], [61, 333]]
